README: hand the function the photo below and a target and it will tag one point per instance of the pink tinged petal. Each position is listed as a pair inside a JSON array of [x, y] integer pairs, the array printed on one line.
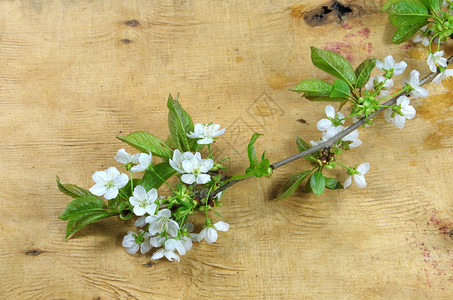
[[158, 254], [360, 180], [140, 222], [145, 247], [323, 124], [347, 182], [188, 178], [330, 111], [98, 189], [139, 211], [399, 121], [111, 193], [173, 228], [100, 177], [222, 226], [363, 168], [112, 172], [211, 235], [123, 157], [171, 256], [133, 249], [408, 111], [203, 178]]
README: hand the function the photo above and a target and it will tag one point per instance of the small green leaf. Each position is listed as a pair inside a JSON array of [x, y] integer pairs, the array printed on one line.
[[333, 64], [313, 87], [317, 182], [403, 34], [302, 146], [388, 4], [151, 180], [291, 185], [72, 190], [363, 72], [80, 205], [340, 89], [253, 159], [332, 183], [83, 219], [180, 124], [145, 142], [407, 12]]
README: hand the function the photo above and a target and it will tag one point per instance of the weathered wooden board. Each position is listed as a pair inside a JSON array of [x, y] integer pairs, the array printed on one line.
[[74, 74]]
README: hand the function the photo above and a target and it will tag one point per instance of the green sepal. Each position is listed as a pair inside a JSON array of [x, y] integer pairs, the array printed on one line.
[[144, 142], [334, 64], [72, 190], [291, 185]]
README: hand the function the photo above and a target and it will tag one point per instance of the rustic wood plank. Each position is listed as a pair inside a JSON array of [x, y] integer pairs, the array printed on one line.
[[76, 73]]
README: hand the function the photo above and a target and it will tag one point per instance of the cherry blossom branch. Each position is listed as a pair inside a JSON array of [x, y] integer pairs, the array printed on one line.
[[330, 142]]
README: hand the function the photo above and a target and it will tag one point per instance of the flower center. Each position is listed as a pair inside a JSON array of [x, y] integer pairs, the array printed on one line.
[[110, 184]]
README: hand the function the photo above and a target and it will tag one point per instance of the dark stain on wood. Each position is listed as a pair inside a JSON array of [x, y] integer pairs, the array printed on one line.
[[302, 121], [126, 41], [132, 23], [149, 264], [326, 14], [34, 252]]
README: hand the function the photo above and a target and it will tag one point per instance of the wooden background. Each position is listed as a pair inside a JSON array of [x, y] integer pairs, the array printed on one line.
[[74, 74]]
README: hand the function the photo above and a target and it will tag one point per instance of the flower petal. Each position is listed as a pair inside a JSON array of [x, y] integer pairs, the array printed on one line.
[[98, 189], [188, 178], [111, 193], [323, 124], [330, 111], [347, 182], [222, 226], [158, 254], [211, 235], [363, 168], [173, 228], [360, 180]]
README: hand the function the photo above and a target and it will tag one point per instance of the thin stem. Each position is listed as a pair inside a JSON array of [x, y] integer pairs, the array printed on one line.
[[164, 181], [330, 142]]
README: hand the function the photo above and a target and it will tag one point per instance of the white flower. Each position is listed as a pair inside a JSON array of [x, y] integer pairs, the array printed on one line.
[[108, 182], [123, 157], [162, 222], [210, 233], [388, 84], [421, 38], [389, 65], [132, 243], [144, 160], [195, 168], [443, 76], [168, 248], [206, 132], [405, 108], [140, 222], [359, 179], [435, 59], [414, 83], [178, 158], [354, 138], [332, 125], [143, 201]]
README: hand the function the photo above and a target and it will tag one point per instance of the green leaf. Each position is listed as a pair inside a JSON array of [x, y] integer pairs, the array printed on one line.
[[406, 12], [388, 4], [127, 188], [302, 146], [313, 87], [81, 220], [433, 5], [253, 159], [180, 124], [332, 183], [403, 34], [144, 141], [340, 89], [72, 190], [291, 185], [151, 180], [363, 72], [317, 183], [80, 205], [333, 64]]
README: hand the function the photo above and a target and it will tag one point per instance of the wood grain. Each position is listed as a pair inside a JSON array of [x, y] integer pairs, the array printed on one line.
[[76, 73]]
